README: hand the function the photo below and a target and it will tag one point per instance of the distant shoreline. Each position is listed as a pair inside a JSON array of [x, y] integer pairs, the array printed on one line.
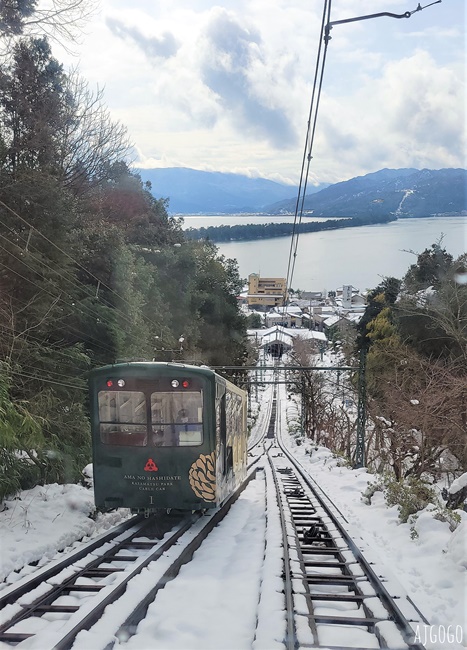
[[251, 232]]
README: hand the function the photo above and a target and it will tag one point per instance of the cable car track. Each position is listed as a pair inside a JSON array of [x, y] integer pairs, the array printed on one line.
[[85, 573], [119, 564], [330, 588], [12, 593], [118, 556]]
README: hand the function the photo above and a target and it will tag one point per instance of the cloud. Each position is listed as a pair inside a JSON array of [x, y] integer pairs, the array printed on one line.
[[412, 115], [234, 80], [232, 61], [153, 47]]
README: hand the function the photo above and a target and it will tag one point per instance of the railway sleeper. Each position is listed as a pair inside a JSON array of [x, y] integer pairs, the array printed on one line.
[[330, 579], [349, 597], [323, 563], [14, 637], [99, 572], [322, 550], [93, 587], [313, 542], [69, 609], [344, 620]]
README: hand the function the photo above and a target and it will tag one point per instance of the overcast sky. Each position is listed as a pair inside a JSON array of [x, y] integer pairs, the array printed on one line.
[[226, 86]]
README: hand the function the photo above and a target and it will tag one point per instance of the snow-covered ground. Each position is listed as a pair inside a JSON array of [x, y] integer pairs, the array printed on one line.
[[432, 568], [229, 597], [39, 523]]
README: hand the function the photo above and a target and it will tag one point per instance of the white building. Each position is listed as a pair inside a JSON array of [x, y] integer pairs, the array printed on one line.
[[277, 340]]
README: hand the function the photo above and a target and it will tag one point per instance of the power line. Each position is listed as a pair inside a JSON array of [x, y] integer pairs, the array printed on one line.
[[83, 308], [78, 285], [100, 283], [82, 334], [326, 27], [52, 347], [47, 381], [53, 374], [309, 140]]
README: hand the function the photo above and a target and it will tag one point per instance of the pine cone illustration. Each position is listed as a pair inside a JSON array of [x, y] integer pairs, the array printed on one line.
[[202, 477]]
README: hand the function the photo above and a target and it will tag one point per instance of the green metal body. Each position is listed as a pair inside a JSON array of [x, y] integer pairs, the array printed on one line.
[[146, 477]]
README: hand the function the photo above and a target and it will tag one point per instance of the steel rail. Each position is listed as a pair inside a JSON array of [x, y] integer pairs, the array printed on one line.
[[291, 636], [66, 641], [44, 603], [128, 628], [396, 615], [11, 594], [84, 617]]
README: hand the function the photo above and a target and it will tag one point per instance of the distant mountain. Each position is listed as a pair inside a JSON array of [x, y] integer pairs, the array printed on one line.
[[196, 192], [399, 192]]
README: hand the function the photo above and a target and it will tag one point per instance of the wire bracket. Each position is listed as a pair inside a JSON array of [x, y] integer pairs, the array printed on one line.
[[406, 14]]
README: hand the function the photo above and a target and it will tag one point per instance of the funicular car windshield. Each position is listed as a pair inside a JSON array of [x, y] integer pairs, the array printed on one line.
[[123, 418], [176, 418]]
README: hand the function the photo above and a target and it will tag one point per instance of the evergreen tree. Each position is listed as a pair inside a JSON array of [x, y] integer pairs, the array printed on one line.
[[435, 323], [384, 295], [13, 14], [430, 270]]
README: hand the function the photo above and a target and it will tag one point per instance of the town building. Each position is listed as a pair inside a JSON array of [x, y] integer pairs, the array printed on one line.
[[277, 340], [290, 316], [266, 292]]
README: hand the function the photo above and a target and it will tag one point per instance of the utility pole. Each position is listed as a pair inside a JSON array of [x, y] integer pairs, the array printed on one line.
[[303, 409], [361, 411]]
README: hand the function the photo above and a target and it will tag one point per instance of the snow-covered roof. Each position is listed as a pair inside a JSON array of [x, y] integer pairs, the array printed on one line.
[[299, 302], [332, 320], [337, 318], [294, 310], [277, 337], [355, 317], [287, 335], [311, 334]]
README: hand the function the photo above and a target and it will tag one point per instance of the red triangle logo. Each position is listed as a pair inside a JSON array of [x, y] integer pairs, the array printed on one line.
[[150, 466]]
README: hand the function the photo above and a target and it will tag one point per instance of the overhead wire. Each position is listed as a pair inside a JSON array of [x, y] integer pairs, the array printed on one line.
[[309, 141], [53, 349], [53, 296], [307, 151], [57, 347], [326, 26], [83, 268], [84, 308], [71, 279], [51, 374], [43, 289], [48, 381]]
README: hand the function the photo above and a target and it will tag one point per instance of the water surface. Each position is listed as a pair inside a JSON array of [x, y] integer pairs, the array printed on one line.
[[328, 259]]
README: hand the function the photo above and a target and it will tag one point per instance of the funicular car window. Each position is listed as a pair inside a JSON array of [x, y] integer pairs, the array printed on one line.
[[122, 418], [236, 424], [177, 418]]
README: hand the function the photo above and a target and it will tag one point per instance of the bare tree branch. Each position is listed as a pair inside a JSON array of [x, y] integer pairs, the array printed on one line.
[[62, 21], [90, 142]]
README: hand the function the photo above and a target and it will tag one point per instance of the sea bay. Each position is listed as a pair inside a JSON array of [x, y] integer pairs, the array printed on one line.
[[326, 260]]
